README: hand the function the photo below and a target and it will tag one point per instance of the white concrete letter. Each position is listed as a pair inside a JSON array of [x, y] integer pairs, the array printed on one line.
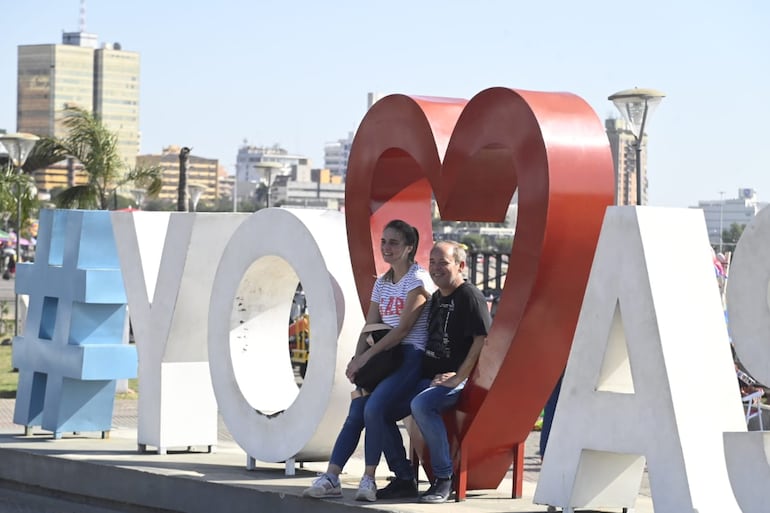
[[250, 368], [650, 377], [748, 308], [171, 258]]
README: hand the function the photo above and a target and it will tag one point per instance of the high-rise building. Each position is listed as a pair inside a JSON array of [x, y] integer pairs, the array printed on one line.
[[116, 96], [622, 145], [52, 77]]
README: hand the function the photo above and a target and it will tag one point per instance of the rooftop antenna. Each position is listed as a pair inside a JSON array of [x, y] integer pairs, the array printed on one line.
[[82, 15]]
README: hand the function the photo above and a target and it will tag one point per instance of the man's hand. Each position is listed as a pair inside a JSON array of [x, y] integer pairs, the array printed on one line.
[[447, 379]]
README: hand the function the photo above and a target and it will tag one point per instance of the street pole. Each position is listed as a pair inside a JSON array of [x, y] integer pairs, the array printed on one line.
[[721, 212], [235, 191], [638, 171], [18, 147]]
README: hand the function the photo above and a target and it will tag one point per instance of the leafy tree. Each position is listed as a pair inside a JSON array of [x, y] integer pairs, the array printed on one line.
[[474, 242], [96, 147], [731, 235], [43, 154]]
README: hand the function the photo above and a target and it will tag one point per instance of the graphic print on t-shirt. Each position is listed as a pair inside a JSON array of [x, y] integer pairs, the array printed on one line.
[[438, 345], [394, 306]]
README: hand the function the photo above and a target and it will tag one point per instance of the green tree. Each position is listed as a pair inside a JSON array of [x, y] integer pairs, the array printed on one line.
[[474, 241], [731, 235], [96, 148], [43, 154]]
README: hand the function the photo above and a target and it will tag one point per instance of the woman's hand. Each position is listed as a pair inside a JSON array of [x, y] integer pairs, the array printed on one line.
[[355, 364]]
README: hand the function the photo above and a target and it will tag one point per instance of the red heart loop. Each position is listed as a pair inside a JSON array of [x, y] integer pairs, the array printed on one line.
[[553, 149]]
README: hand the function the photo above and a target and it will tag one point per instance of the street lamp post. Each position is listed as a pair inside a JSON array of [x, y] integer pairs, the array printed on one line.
[[18, 147], [636, 105], [267, 170], [721, 215]]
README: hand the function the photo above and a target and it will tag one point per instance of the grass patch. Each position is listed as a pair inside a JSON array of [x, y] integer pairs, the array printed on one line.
[[9, 380]]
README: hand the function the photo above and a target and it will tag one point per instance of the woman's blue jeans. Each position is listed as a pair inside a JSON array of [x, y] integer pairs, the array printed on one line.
[[427, 409], [372, 411]]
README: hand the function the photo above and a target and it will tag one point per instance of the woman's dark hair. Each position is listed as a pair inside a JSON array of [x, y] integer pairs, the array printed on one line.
[[411, 238]]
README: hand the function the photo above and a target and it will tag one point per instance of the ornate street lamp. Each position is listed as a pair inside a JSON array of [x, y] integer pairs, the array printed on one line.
[[18, 146], [636, 105]]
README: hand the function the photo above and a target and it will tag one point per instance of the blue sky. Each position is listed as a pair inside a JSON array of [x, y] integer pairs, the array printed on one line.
[[297, 72]]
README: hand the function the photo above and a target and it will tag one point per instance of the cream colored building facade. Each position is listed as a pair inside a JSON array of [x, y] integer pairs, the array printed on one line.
[[200, 171]]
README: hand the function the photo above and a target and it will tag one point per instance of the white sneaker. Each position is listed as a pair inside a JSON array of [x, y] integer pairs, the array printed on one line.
[[367, 490], [324, 486]]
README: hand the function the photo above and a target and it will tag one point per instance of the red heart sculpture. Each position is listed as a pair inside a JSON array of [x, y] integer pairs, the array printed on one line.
[[552, 147]]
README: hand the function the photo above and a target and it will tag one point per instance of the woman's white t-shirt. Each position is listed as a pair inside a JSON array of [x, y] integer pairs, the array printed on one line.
[[391, 298]]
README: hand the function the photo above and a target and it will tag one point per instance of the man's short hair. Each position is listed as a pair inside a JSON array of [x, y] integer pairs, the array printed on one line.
[[458, 250]]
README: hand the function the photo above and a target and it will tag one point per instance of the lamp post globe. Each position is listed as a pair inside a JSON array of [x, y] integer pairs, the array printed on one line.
[[636, 105]]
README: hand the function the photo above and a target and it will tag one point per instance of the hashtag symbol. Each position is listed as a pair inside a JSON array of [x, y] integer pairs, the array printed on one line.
[[71, 350]]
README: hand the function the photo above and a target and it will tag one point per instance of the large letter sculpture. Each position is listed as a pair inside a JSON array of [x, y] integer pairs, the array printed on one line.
[[748, 306], [168, 262], [553, 149], [253, 380], [651, 325], [73, 346]]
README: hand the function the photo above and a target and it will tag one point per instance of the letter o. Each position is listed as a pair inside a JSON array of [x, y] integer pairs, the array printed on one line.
[[261, 264]]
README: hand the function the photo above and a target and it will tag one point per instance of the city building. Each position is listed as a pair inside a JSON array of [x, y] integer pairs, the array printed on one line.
[[308, 188], [104, 80], [336, 156], [721, 214], [200, 171], [260, 164], [622, 145]]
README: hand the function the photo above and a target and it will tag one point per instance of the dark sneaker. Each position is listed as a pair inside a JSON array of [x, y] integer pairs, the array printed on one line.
[[439, 491], [399, 489]]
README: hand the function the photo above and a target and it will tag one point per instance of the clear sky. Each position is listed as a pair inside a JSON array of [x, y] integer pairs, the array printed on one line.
[[297, 72]]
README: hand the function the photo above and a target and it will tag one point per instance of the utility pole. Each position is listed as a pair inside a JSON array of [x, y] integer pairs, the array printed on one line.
[[181, 198]]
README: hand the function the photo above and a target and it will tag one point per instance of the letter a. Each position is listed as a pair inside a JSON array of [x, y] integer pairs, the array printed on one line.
[[650, 376]]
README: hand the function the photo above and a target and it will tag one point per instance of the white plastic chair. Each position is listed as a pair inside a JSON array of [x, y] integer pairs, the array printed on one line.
[[752, 406]]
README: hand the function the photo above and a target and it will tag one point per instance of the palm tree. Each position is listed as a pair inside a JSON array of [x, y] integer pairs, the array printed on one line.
[[43, 154], [95, 146]]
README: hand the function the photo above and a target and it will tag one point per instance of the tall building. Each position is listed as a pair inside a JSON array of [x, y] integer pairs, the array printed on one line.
[[116, 96], [200, 171], [622, 145], [105, 80]]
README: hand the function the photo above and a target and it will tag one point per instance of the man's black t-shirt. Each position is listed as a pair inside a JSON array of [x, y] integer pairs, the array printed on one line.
[[453, 322]]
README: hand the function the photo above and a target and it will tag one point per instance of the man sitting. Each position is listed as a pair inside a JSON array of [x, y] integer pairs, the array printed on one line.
[[458, 322]]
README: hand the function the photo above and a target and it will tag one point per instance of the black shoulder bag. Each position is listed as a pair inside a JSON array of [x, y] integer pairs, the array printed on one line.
[[382, 364]]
